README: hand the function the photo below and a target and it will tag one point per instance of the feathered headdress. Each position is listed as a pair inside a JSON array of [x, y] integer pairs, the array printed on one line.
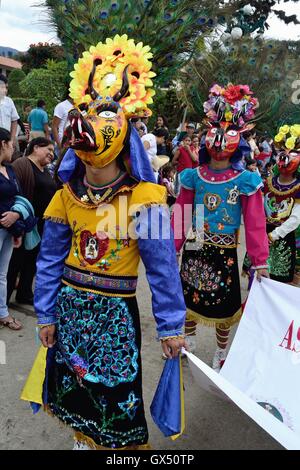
[[234, 104]]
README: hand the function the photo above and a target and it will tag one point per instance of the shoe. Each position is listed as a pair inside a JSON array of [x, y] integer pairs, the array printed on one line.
[[219, 359], [80, 446], [191, 343], [25, 301]]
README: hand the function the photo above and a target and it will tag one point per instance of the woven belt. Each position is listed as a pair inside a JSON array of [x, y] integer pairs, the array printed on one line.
[[109, 285], [220, 239]]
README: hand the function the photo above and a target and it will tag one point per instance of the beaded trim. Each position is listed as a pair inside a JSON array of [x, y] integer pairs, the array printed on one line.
[[116, 285], [220, 239], [271, 187]]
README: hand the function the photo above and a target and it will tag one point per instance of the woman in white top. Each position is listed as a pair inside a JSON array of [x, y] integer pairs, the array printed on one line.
[[150, 142]]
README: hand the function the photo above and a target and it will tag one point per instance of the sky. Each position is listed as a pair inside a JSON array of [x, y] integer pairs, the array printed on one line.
[[22, 25]]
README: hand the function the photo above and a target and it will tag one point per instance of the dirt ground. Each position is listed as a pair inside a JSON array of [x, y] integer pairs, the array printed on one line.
[[210, 422]]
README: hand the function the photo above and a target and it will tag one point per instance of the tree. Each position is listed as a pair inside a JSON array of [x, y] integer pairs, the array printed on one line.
[[49, 84], [38, 54], [14, 79]]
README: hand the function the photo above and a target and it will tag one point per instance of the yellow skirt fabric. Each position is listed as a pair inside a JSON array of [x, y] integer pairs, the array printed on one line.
[[33, 389]]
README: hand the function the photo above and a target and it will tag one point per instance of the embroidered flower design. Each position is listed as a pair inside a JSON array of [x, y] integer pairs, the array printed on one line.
[[130, 405], [84, 198], [220, 226], [206, 226], [230, 262]]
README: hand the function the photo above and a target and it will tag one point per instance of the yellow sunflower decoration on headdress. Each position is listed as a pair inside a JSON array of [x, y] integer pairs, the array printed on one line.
[[111, 58]]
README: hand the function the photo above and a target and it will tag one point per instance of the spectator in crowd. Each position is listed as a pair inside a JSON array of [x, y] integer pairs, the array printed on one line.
[[251, 164], [9, 189], [151, 141], [190, 131], [60, 121], [251, 139], [141, 129], [195, 147], [167, 179], [161, 123], [38, 187], [38, 121], [8, 114], [145, 121], [184, 156], [136, 122]]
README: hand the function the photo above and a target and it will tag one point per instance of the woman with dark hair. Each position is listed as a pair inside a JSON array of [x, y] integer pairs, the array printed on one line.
[[161, 123], [9, 234], [38, 187]]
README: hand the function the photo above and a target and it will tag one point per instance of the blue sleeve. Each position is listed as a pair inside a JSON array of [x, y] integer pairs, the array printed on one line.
[[187, 178], [45, 118], [250, 183], [55, 248], [157, 250]]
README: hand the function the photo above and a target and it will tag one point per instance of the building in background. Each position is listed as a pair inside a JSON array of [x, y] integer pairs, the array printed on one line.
[[7, 65]]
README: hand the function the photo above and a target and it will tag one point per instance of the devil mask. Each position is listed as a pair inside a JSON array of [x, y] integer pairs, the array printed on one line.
[[288, 162], [108, 88], [228, 110]]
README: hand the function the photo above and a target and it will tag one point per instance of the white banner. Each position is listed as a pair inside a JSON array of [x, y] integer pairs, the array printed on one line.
[[262, 371]]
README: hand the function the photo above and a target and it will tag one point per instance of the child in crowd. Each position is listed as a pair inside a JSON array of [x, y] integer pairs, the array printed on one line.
[[168, 177]]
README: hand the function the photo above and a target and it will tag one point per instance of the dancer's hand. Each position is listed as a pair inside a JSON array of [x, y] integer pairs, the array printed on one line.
[[172, 347], [47, 334], [260, 273]]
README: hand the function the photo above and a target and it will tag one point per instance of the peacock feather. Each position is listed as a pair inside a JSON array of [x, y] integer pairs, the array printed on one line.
[[269, 67], [174, 29]]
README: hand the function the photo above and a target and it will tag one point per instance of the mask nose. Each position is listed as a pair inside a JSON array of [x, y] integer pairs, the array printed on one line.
[[218, 143]]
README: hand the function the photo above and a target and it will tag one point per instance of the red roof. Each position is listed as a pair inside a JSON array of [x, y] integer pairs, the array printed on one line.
[[10, 63]]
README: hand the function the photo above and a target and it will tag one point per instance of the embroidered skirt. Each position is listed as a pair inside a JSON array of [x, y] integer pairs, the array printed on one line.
[[95, 381], [210, 280], [282, 258]]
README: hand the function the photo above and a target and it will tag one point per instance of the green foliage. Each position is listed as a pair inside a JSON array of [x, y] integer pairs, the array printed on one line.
[[47, 83], [21, 103], [14, 79], [166, 103], [38, 54]]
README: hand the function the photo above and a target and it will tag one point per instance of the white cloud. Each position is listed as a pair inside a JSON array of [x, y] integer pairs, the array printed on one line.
[[21, 24], [278, 29]]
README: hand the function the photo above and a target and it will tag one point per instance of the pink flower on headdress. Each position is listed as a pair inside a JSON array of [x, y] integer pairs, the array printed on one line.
[[245, 90], [216, 89]]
